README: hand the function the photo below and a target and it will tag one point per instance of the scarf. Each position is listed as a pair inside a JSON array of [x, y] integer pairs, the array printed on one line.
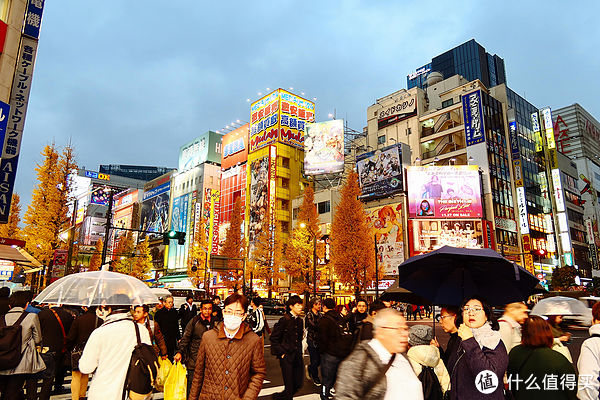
[[486, 336]]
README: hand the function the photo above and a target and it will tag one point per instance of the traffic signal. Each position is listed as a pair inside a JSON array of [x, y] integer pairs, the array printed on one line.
[[540, 253], [167, 236]]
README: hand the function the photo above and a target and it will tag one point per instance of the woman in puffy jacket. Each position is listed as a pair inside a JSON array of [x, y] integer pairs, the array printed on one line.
[[479, 365]]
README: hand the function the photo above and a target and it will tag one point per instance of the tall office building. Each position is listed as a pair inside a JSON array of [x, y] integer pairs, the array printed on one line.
[[470, 60]]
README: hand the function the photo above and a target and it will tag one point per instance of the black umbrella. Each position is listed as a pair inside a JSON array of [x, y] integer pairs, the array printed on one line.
[[402, 295], [448, 275]]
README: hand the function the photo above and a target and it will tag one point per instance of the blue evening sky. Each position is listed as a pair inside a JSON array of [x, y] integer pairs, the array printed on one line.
[[128, 82]]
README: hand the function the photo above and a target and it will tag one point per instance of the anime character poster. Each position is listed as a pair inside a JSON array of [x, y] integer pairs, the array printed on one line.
[[380, 172], [259, 196], [444, 192], [389, 236], [324, 148]]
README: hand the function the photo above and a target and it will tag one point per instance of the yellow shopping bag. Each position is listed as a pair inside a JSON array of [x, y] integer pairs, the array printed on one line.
[[176, 384], [163, 372]]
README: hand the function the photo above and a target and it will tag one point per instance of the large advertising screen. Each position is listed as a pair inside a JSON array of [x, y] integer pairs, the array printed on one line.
[[206, 147], [279, 116], [389, 235], [324, 147], [380, 172], [429, 235], [155, 209], [444, 192], [180, 218], [235, 147], [259, 194]]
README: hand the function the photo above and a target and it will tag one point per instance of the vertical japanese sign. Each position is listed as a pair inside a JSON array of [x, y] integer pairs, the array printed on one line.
[[212, 205], [473, 117], [19, 99], [272, 189], [4, 114], [33, 19]]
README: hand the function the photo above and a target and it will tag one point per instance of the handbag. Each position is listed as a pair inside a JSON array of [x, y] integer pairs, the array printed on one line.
[[75, 356]]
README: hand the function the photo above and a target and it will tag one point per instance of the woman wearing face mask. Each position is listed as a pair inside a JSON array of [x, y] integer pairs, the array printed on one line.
[[231, 362], [481, 355]]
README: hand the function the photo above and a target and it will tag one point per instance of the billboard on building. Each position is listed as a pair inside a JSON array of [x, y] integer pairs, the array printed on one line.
[[279, 116], [473, 117], [235, 147], [402, 109], [259, 194], [6, 270], [100, 194], [180, 221], [212, 200], [154, 216], [386, 222], [429, 235], [324, 147], [206, 147], [123, 212], [380, 172], [444, 192]]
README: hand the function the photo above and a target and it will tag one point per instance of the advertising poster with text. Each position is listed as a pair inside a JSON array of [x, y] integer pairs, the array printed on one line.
[[154, 215], [389, 234], [444, 192], [259, 196], [380, 172], [324, 148], [429, 235]]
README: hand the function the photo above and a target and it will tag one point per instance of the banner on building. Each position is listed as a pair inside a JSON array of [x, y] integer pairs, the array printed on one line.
[[380, 172], [259, 195], [19, 99], [7, 269], [212, 209], [154, 216], [180, 213], [429, 235], [235, 147], [444, 192], [386, 222], [473, 116], [401, 109], [59, 264], [324, 147]]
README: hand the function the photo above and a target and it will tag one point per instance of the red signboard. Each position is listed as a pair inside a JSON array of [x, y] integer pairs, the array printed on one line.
[[12, 242], [235, 147]]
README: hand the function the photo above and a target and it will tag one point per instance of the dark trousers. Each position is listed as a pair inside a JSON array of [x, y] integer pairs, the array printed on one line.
[[329, 367], [315, 360], [11, 387], [190, 377], [58, 379], [292, 371]]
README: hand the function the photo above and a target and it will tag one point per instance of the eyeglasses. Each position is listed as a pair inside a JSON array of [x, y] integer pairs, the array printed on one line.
[[396, 328], [236, 313], [472, 309], [446, 316]]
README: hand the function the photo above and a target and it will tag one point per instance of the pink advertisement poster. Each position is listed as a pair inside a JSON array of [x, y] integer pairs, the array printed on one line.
[[439, 192]]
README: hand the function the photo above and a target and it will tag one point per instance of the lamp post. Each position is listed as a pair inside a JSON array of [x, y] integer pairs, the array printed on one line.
[[314, 237]]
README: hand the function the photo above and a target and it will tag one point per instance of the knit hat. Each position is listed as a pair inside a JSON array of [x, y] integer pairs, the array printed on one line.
[[419, 335]]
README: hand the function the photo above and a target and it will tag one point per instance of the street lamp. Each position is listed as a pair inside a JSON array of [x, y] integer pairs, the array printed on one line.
[[314, 237]]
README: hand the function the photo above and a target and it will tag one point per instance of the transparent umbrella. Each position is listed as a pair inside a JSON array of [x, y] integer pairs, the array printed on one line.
[[97, 288], [560, 305]]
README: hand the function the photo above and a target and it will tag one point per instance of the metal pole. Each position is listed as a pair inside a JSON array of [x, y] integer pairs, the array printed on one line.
[[244, 277], [71, 239], [376, 270], [206, 274], [315, 266], [107, 229]]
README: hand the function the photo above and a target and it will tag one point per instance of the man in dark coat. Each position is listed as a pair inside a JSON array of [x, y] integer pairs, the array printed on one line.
[[311, 322], [167, 319], [187, 348], [335, 343], [447, 319], [286, 345], [187, 311], [55, 323], [358, 315], [4, 294]]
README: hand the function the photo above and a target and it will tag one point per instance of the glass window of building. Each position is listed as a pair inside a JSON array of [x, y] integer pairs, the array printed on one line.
[[285, 162], [324, 207], [447, 103], [381, 139], [285, 183]]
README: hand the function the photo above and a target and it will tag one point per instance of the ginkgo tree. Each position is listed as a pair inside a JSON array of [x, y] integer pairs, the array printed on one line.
[[11, 229], [266, 258], [197, 268], [352, 247], [233, 247], [46, 215]]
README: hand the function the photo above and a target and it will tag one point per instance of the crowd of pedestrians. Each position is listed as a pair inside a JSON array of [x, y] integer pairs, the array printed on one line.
[[365, 351]]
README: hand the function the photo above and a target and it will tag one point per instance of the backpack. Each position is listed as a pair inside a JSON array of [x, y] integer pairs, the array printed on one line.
[[11, 340], [143, 367], [432, 390], [345, 336]]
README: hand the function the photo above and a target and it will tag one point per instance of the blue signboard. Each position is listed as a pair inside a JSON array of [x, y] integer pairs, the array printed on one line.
[[33, 18], [4, 113], [473, 116], [514, 139]]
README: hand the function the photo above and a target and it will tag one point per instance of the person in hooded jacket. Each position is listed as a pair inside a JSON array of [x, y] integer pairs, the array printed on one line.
[[481, 355], [421, 353], [365, 332], [231, 362]]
